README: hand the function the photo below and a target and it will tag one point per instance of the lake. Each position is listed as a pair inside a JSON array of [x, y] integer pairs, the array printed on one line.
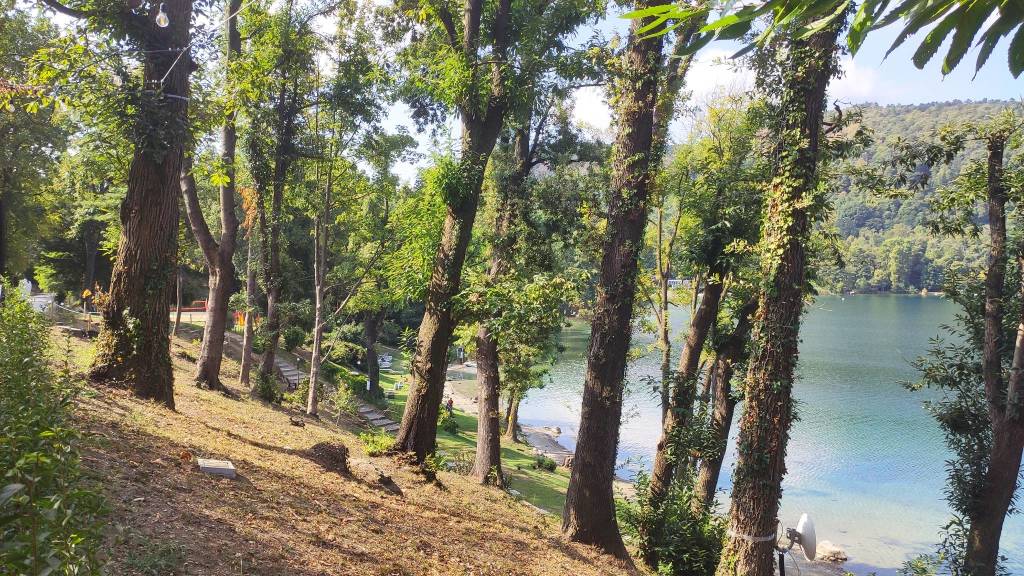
[[865, 460]]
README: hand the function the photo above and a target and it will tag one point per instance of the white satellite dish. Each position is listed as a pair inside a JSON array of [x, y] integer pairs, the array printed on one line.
[[805, 537]]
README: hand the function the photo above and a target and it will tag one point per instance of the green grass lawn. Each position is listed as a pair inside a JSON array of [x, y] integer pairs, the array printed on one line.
[[539, 487]]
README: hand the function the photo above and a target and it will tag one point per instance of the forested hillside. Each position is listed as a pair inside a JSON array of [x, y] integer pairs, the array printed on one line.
[[886, 245]]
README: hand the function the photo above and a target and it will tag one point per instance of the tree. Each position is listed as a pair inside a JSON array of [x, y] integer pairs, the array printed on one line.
[[589, 514], [793, 201], [717, 178], [987, 437], [218, 254], [30, 137], [133, 348], [282, 76]]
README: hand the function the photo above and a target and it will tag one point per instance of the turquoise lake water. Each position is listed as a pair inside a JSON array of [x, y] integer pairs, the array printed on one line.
[[865, 460]]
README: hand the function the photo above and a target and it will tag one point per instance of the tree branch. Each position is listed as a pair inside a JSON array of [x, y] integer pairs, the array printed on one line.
[[65, 10], [194, 212]]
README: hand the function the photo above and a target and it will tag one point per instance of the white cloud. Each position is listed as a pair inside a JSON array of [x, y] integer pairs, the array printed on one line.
[[857, 84]]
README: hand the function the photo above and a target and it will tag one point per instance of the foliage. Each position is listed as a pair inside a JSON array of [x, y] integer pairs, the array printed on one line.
[[48, 516], [266, 387], [447, 423], [542, 462], [691, 542], [376, 442], [294, 336], [963, 19]]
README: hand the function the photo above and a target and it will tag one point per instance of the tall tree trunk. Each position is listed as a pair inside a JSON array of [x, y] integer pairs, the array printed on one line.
[[134, 346], [3, 229], [680, 410], [177, 301], [250, 315], [286, 110], [512, 418], [589, 514], [487, 467], [91, 247], [684, 388], [667, 99], [480, 131], [768, 413], [371, 331], [319, 274], [1004, 457], [219, 256], [729, 353]]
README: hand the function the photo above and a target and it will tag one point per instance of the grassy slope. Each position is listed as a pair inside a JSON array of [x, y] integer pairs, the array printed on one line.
[[285, 514]]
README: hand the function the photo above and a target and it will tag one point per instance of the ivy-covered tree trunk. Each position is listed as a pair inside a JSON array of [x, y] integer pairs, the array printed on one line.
[[133, 348], [219, 255], [249, 329], [1004, 403], [487, 466], [589, 514], [728, 354], [764, 428], [461, 190]]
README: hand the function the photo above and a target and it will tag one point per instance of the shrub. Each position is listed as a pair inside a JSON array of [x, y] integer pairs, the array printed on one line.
[[300, 396], [376, 442], [294, 336], [688, 542], [266, 388], [447, 422], [542, 462], [48, 517]]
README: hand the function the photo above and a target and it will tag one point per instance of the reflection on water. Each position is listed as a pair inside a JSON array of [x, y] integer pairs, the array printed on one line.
[[864, 459]]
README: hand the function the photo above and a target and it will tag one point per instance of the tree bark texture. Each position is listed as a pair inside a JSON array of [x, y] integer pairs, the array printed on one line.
[[371, 333], [589, 514], [764, 428], [480, 129], [134, 346]]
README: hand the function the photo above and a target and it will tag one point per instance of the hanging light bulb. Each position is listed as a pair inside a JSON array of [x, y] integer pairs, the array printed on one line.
[[161, 17]]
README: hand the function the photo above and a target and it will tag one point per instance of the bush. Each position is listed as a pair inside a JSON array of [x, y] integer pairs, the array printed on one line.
[[688, 542], [301, 394], [48, 518], [447, 422], [266, 388], [376, 442], [294, 336], [542, 462]]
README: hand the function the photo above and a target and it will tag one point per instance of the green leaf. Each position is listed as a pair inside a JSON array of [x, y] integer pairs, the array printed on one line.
[[650, 11], [862, 23], [920, 19], [930, 45], [1007, 21], [819, 25], [967, 28], [1016, 53]]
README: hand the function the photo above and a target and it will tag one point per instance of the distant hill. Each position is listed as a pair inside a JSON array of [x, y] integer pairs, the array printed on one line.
[[886, 246]]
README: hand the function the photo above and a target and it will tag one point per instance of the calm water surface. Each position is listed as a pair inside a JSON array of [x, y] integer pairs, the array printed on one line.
[[865, 460]]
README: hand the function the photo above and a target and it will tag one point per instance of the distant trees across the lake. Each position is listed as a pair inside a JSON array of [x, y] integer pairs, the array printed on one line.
[[885, 243]]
